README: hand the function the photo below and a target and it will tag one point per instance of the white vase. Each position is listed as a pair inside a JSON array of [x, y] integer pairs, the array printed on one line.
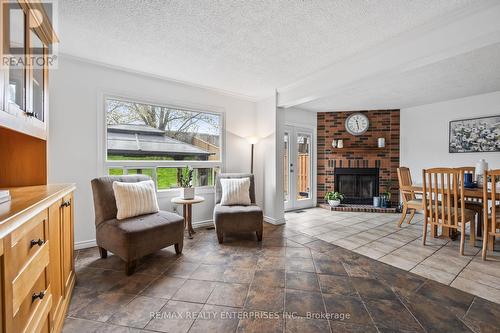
[[187, 193], [481, 167], [340, 143], [334, 203]]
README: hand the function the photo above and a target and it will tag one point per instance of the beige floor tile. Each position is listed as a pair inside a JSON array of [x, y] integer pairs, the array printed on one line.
[[481, 277], [397, 261], [489, 267], [449, 264], [476, 288], [369, 252], [433, 274]]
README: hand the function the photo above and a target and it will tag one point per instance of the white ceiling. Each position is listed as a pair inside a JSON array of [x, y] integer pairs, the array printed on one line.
[[471, 73], [252, 47]]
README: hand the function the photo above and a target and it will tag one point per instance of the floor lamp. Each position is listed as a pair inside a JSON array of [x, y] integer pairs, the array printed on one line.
[[252, 140]]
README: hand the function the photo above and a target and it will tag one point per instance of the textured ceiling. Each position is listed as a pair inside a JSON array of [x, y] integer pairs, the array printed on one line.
[[244, 47], [469, 74]]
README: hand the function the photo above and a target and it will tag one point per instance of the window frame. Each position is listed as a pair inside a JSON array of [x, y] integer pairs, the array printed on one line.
[[106, 164]]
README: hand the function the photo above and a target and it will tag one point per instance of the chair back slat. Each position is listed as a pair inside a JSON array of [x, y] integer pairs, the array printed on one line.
[[443, 195], [404, 179]]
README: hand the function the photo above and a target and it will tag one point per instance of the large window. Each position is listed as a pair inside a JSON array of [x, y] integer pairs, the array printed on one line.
[[159, 140]]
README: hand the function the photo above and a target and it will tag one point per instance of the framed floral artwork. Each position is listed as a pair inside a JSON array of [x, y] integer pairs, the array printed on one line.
[[475, 135]]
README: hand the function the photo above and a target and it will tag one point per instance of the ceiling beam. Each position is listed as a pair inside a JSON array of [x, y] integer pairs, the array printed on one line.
[[460, 32]]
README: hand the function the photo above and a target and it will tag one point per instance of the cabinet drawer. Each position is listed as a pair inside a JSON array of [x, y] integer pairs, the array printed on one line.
[[32, 313], [24, 282], [27, 240]]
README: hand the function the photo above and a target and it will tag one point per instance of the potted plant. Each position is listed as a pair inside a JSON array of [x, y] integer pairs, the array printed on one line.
[[334, 198], [185, 182], [385, 198]]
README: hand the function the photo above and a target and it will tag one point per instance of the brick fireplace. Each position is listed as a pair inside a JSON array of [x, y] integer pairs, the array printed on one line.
[[360, 156]]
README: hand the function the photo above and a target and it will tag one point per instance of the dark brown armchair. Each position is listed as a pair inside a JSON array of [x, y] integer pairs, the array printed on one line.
[[237, 219], [132, 238]]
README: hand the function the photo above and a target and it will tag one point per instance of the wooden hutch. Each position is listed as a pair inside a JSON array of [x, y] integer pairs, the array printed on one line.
[[36, 225]]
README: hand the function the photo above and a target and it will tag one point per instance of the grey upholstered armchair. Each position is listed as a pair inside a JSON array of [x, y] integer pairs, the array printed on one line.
[[237, 218], [132, 238]]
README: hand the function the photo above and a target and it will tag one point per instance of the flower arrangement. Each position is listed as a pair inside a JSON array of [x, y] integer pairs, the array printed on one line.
[[186, 177], [475, 135]]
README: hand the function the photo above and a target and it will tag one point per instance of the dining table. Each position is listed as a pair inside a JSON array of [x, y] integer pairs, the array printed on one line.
[[475, 193]]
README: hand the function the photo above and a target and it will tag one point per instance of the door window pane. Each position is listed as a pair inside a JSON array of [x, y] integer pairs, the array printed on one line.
[[286, 166], [303, 168]]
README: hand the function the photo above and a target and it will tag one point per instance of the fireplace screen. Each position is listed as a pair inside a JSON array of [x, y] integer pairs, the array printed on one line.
[[359, 185]]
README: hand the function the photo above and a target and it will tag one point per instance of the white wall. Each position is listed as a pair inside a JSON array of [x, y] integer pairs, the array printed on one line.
[[267, 174], [75, 103], [424, 133]]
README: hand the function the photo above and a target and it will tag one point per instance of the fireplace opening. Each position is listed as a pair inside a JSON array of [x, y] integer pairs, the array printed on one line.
[[359, 185]]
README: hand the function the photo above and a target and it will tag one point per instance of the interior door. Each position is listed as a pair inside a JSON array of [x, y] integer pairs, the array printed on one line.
[[298, 167]]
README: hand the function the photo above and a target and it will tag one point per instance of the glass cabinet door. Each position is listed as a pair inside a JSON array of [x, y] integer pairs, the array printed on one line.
[[16, 88]]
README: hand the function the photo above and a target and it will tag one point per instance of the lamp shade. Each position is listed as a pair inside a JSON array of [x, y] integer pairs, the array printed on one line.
[[252, 140]]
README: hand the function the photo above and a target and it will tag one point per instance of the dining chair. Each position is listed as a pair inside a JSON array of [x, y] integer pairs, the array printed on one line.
[[444, 202], [474, 204], [410, 202], [491, 224]]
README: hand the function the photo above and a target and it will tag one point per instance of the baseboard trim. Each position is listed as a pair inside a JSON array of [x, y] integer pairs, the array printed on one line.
[[85, 244], [203, 224], [274, 221]]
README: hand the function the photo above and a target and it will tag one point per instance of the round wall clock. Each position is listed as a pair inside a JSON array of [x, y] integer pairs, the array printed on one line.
[[357, 124]]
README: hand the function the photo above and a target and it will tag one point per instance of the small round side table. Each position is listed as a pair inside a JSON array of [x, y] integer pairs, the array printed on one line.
[[187, 211]]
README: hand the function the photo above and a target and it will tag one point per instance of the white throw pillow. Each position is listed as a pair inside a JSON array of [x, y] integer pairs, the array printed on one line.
[[134, 199], [235, 191]]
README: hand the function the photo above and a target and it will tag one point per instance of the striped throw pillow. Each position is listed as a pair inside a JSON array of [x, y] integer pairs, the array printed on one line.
[[235, 191], [134, 199]]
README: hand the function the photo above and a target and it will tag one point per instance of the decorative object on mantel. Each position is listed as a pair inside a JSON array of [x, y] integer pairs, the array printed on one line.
[[334, 198], [381, 142], [481, 167], [185, 182], [357, 123], [340, 143], [4, 196], [475, 135], [376, 201], [334, 143]]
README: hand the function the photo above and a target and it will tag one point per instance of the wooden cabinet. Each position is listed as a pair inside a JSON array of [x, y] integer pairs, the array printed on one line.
[[36, 266]]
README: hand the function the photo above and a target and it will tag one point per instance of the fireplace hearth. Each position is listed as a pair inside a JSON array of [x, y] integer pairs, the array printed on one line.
[[359, 185]]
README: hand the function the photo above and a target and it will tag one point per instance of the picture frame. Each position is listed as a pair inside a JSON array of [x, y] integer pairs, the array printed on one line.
[[474, 135]]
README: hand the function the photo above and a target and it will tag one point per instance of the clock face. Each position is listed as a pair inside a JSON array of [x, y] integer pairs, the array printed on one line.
[[357, 124]]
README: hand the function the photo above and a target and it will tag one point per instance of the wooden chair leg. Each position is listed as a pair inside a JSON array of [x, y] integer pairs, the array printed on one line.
[[472, 239], [103, 252], [462, 238], [130, 267], [411, 215], [403, 215], [424, 235], [485, 244]]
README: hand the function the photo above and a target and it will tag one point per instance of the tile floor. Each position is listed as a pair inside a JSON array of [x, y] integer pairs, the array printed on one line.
[[290, 282], [376, 236]]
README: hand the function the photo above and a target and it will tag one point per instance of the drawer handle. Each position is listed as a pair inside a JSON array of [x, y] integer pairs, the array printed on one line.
[[38, 242], [66, 203], [40, 295]]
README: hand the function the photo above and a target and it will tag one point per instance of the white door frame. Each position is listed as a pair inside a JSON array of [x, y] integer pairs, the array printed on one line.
[[293, 130]]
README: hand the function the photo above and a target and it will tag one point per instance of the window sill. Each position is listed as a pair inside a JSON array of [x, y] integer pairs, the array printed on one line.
[[175, 192]]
